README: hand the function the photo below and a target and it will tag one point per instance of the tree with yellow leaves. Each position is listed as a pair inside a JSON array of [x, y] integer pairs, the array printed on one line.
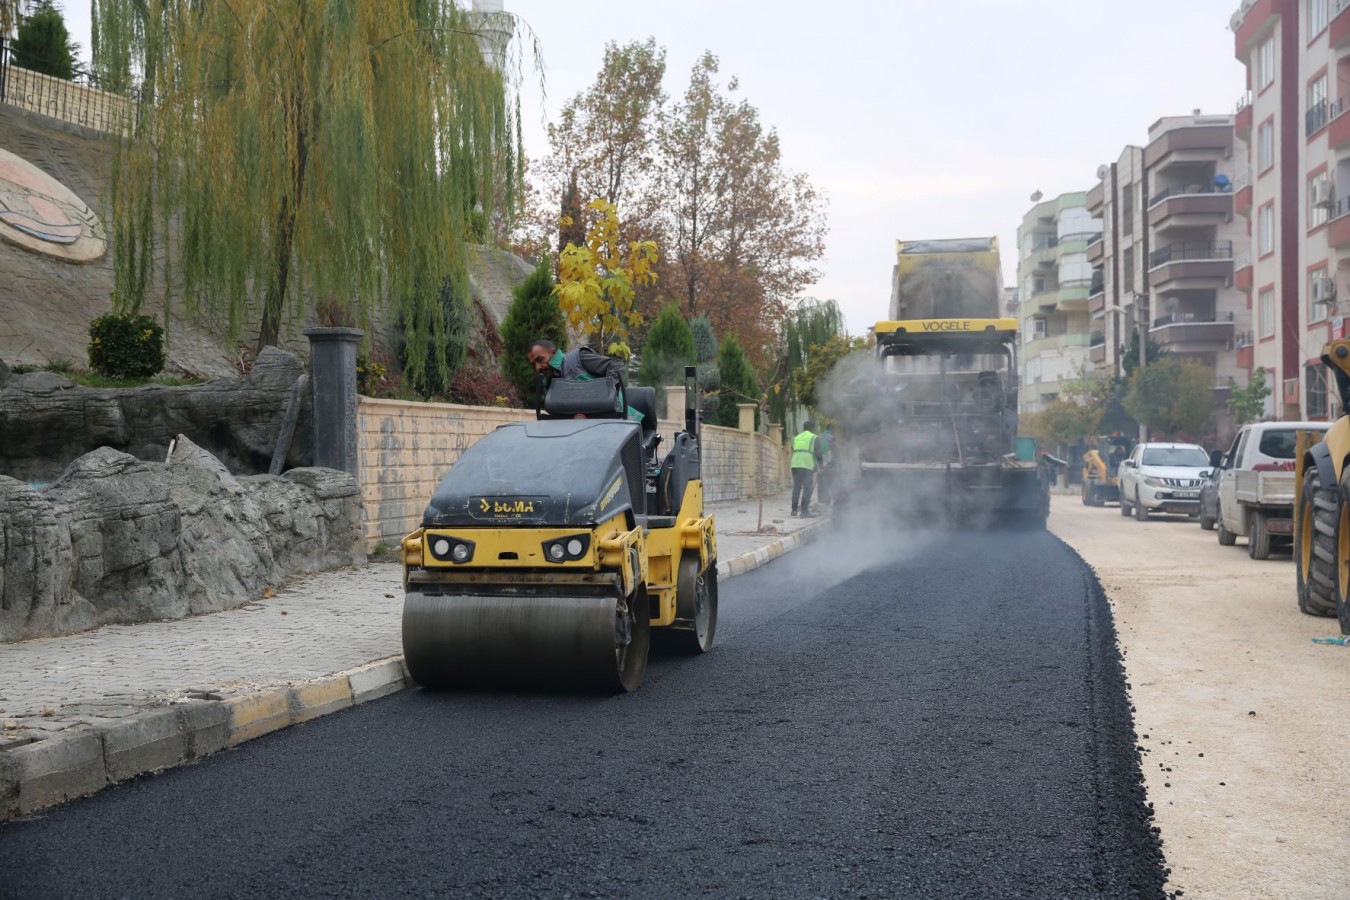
[[597, 281]]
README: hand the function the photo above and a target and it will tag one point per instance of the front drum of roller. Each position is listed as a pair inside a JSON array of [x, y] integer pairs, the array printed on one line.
[[537, 642]]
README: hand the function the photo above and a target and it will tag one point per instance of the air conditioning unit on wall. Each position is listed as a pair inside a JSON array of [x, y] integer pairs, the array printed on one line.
[[1323, 289], [1324, 193]]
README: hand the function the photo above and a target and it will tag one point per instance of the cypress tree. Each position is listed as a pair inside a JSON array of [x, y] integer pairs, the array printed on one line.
[[534, 315], [669, 348], [43, 44], [738, 383]]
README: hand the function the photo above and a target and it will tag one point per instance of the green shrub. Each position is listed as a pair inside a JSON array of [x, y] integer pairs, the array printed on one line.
[[122, 345]]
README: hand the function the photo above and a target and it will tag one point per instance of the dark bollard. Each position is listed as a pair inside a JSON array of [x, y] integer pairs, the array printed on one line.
[[333, 360]]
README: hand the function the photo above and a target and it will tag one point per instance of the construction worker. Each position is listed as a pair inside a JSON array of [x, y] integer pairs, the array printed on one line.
[[824, 470], [581, 364], [805, 456]]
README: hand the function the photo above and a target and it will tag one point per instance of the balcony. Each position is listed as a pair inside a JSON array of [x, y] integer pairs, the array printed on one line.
[[1096, 249], [1072, 297], [1242, 272], [1242, 119], [1201, 264], [1189, 144], [1096, 199], [1193, 332], [1097, 348], [1338, 134], [1097, 286], [1338, 228], [1044, 250], [1244, 343], [1190, 206], [1340, 24]]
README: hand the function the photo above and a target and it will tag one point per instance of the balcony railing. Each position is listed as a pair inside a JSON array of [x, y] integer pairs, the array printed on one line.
[[1246, 100], [1095, 239], [1184, 250], [1189, 318], [1098, 284], [1245, 338], [1342, 205], [1044, 242], [1338, 7], [1316, 118], [1192, 190]]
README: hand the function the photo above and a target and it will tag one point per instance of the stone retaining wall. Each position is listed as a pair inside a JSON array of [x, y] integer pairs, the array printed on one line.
[[406, 448]]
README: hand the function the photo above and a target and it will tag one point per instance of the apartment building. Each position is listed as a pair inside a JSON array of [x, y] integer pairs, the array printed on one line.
[[1297, 200], [1054, 280], [1165, 263]]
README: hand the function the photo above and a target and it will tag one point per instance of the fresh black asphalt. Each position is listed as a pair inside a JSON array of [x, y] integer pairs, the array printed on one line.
[[950, 722]]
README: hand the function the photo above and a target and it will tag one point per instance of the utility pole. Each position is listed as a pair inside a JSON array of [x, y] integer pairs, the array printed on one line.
[[1141, 311]]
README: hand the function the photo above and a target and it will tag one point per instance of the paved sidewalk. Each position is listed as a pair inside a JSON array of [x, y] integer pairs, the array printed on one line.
[[84, 710]]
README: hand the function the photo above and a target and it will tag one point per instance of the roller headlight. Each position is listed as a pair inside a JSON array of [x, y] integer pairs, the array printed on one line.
[[451, 549], [568, 549]]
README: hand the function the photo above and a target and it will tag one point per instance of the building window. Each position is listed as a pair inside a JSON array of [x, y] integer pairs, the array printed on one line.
[[1319, 295], [1265, 146], [1266, 303], [1127, 276], [1127, 210], [1319, 199], [1317, 104], [1317, 17], [1037, 329], [1315, 390], [1265, 64], [1265, 230]]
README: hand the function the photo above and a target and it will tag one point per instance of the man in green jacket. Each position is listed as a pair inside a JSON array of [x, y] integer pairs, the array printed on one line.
[[805, 457]]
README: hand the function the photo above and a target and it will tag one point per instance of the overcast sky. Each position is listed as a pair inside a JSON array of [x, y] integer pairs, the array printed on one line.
[[916, 119]]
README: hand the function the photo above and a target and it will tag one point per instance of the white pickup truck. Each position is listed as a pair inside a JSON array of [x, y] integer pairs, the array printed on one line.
[[1256, 485]]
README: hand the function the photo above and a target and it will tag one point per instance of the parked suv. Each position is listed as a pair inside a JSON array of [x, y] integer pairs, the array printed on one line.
[[1162, 477]]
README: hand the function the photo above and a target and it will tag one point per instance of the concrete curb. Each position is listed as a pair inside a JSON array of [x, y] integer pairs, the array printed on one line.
[[45, 772]]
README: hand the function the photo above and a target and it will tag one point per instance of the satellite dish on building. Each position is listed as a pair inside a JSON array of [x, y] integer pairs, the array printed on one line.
[[1102, 172], [1036, 197]]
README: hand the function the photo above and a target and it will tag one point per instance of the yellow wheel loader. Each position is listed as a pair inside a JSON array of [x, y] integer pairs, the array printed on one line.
[[1100, 465], [553, 548], [1322, 504]]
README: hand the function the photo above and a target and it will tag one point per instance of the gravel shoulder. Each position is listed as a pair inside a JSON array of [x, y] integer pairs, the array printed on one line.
[[1243, 722]]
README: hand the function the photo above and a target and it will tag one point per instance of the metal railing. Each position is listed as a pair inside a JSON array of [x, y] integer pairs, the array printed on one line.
[[1095, 239], [79, 100], [1341, 207], [1316, 118], [1183, 190], [1243, 339], [1098, 284], [1243, 102], [1338, 7], [1191, 250], [1044, 242], [1191, 318]]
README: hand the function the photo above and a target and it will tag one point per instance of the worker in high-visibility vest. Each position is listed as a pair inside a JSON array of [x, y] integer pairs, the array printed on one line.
[[805, 456]]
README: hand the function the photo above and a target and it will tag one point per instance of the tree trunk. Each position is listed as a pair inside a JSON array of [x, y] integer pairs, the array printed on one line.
[[270, 330]]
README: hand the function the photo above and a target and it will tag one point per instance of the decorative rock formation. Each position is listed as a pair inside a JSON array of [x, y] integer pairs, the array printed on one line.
[[46, 421], [116, 539]]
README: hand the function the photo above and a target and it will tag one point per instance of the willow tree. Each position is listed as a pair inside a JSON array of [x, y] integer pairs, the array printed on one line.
[[308, 151]]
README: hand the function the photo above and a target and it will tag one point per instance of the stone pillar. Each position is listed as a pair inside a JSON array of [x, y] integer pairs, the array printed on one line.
[[333, 359], [747, 417], [675, 403], [776, 434]]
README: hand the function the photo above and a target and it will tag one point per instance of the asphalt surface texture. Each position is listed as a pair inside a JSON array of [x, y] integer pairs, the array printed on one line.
[[883, 716]]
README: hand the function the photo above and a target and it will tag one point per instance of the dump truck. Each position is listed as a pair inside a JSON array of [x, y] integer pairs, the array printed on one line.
[[1321, 506], [1100, 464], [554, 549], [954, 278]]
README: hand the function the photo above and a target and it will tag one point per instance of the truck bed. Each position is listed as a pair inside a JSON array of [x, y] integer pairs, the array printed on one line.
[[1264, 488]]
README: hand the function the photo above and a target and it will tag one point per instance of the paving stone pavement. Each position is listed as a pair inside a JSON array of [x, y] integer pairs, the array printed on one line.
[[316, 626]]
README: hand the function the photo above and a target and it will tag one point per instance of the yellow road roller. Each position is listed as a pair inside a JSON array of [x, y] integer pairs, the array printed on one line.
[[554, 549]]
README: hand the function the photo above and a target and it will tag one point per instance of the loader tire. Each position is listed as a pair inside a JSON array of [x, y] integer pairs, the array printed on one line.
[[1315, 546], [1258, 537]]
